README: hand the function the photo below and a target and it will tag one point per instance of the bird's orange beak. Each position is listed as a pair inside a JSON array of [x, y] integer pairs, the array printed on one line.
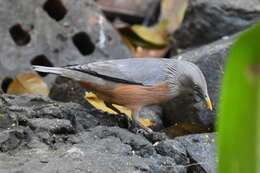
[[208, 103]]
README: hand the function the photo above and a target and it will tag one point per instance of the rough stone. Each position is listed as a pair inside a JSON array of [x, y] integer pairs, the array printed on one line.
[[53, 33], [206, 20], [201, 150], [13, 138], [52, 125], [40, 112], [47, 139], [173, 149]]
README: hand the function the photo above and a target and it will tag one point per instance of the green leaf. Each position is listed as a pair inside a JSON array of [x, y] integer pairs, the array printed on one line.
[[239, 109]]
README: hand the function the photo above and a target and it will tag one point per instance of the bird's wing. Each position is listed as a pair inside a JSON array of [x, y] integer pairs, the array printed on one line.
[[147, 71]]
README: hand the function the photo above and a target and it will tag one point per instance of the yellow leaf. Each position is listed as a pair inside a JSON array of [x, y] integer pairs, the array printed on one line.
[[100, 105], [156, 35], [28, 83], [173, 12], [146, 122]]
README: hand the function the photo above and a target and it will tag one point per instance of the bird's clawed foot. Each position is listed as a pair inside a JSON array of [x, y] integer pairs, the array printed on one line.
[[146, 131], [138, 128]]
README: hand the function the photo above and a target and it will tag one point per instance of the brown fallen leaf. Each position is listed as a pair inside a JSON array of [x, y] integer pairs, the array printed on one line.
[[140, 48], [28, 83]]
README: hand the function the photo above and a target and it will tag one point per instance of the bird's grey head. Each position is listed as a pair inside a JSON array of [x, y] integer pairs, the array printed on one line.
[[189, 79]]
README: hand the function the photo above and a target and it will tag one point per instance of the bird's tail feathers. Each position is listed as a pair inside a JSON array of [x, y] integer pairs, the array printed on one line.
[[69, 73]]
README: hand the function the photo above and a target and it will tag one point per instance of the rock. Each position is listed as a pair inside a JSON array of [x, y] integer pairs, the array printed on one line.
[[195, 152], [201, 150], [51, 136], [51, 125], [210, 58], [101, 149], [133, 12], [53, 33], [173, 149], [206, 21], [13, 138], [68, 90], [41, 113]]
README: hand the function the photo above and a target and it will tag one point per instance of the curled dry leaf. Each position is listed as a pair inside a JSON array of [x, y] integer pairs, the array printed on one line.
[[173, 12], [28, 83], [100, 105], [156, 35], [154, 41]]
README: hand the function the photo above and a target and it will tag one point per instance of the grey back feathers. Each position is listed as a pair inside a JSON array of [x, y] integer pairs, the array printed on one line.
[[136, 71]]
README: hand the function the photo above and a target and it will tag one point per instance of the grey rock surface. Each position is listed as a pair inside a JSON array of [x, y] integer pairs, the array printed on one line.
[[54, 33], [100, 150], [201, 150], [174, 149], [50, 136], [206, 20]]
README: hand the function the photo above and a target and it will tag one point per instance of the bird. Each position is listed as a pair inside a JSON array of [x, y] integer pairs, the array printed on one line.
[[137, 82]]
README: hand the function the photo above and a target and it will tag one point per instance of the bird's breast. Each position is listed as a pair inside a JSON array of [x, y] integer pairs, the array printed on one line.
[[136, 95]]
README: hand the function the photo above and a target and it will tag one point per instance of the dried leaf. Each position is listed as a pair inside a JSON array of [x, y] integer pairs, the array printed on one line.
[[173, 12], [140, 52], [28, 83], [100, 105], [156, 35]]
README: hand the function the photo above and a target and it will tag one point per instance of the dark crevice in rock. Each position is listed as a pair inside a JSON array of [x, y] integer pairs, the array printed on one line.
[[5, 84], [83, 43], [20, 36], [43, 61], [194, 167], [55, 9], [12, 139]]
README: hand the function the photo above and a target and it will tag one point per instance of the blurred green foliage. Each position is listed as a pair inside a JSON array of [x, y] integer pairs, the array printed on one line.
[[238, 136]]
